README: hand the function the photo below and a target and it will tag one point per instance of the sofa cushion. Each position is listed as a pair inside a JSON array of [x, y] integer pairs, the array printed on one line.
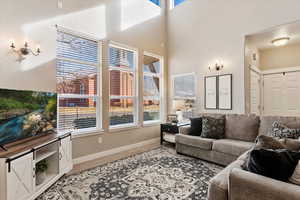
[[295, 178], [266, 122], [232, 147], [195, 141], [213, 127], [242, 127], [213, 115]]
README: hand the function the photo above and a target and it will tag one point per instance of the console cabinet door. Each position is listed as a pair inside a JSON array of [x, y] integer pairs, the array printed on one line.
[[20, 178], [65, 162]]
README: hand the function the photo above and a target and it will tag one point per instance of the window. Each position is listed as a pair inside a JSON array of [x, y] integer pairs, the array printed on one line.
[[184, 94], [156, 2], [78, 74], [152, 88], [123, 95], [175, 3]]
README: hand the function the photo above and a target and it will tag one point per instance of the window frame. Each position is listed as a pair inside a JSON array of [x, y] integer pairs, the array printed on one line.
[[135, 97], [159, 3], [172, 4], [161, 86], [97, 97]]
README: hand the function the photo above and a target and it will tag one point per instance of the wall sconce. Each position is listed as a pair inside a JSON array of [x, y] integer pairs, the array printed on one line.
[[216, 67], [24, 51]]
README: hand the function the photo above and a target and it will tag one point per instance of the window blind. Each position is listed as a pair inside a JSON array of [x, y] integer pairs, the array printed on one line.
[[77, 75]]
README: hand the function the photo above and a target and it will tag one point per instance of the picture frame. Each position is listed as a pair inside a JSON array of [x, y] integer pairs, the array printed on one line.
[[172, 118], [211, 92], [225, 92], [184, 86]]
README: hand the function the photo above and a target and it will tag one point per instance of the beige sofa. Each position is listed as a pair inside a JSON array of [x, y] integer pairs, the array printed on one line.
[[233, 183]]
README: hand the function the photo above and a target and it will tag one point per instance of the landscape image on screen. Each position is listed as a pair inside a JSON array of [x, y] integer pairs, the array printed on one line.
[[25, 114]]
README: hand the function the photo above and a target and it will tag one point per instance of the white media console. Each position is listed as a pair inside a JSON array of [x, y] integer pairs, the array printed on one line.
[[18, 177]]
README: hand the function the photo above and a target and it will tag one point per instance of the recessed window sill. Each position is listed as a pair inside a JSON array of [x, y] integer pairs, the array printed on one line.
[[87, 132], [151, 123], [123, 127]]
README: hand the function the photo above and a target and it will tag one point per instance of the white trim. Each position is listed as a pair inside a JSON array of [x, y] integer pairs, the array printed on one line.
[[172, 4], [281, 70], [121, 46], [255, 69], [76, 33], [121, 97], [114, 151], [97, 97], [159, 75], [45, 187], [112, 68], [123, 127], [86, 132], [152, 123], [135, 86]]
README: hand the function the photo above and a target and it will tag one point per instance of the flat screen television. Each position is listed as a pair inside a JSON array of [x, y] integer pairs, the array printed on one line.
[[26, 114]]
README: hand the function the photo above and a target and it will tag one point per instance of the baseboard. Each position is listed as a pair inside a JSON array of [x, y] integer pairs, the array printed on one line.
[[114, 151]]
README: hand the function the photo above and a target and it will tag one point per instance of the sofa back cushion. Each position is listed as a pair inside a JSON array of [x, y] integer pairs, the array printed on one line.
[[213, 115], [267, 121], [242, 127]]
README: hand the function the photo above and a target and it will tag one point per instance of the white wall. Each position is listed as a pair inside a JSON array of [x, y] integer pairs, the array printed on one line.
[[280, 57], [136, 23], [201, 31]]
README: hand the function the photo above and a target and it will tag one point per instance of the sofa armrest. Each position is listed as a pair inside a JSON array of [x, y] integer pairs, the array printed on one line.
[[185, 130], [244, 185]]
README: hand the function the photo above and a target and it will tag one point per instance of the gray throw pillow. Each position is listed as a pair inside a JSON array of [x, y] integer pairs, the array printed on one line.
[[213, 128], [282, 131]]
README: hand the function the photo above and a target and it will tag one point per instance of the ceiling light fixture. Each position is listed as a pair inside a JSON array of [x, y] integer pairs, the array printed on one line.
[[280, 41]]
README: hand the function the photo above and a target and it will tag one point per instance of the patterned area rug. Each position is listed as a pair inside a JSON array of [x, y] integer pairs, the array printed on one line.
[[160, 174]]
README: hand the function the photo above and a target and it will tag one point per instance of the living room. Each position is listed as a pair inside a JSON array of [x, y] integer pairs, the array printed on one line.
[[119, 71]]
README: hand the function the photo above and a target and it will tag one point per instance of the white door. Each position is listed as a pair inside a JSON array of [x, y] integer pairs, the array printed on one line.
[[255, 93], [282, 94], [273, 99], [20, 178], [292, 93], [65, 151]]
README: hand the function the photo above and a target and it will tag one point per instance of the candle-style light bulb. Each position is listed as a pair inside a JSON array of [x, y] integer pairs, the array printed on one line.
[[12, 44], [38, 49], [25, 44]]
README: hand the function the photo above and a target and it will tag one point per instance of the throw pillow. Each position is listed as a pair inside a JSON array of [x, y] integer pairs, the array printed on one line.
[[276, 164], [267, 142], [291, 144], [264, 142], [196, 126], [213, 128], [282, 131], [295, 178]]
